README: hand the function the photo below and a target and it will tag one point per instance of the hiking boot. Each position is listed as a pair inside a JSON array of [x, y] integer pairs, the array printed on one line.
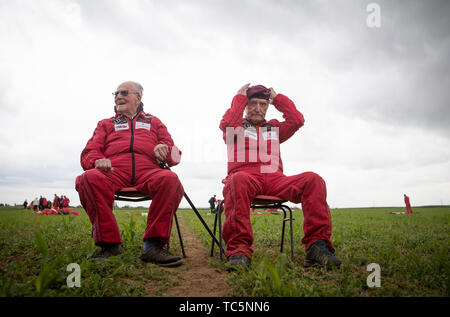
[[108, 250], [238, 261], [321, 254], [159, 256]]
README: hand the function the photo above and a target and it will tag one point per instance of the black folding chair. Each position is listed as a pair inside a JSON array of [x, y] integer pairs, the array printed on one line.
[[259, 202]]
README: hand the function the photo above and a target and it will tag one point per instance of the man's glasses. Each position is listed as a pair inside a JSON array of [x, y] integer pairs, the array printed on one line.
[[124, 93]]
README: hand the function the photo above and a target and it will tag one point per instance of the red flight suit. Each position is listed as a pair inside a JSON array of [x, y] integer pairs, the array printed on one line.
[[245, 178], [129, 144], [408, 205], [65, 202], [56, 202]]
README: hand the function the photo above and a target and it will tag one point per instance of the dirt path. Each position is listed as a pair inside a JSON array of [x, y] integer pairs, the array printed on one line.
[[196, 277]]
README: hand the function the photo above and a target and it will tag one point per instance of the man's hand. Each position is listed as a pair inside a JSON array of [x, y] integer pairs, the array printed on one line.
[[161, 152], [243, 90], [104, 165], [272, 95]]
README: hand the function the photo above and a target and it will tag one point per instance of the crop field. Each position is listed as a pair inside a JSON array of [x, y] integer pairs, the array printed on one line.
[[412, 252]]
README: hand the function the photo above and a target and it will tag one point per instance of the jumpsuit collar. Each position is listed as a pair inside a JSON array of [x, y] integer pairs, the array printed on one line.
[[139, 109], [247, 123]]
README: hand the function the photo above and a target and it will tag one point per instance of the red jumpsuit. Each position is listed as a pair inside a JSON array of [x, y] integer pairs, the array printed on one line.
[[408, 205], [129, 144], [56, 202], [246, 178], [65, 202]]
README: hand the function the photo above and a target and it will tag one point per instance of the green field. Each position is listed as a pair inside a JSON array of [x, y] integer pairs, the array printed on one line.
[[412, 251]]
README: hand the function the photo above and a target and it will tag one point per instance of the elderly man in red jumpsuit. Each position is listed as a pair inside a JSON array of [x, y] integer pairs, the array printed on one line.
[[255, 168], [126, 150]]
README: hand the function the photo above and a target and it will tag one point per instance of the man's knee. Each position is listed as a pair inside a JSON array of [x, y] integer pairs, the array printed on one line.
[[237, 180], [240, 178], [169, 179], [314, 178]]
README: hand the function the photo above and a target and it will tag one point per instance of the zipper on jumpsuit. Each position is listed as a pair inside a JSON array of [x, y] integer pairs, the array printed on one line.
[[132, 152]]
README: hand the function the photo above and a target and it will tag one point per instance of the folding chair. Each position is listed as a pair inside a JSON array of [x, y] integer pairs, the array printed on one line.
[[133, 195], [259, 202]]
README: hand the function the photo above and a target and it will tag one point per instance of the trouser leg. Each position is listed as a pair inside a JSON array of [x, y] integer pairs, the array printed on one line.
[[309, 189], [96, 190], [166, 192], [239, 190]]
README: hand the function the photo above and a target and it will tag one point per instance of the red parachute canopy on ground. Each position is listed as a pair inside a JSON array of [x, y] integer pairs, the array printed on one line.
[[64, 211]]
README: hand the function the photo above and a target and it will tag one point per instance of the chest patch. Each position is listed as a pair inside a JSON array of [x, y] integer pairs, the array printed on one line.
[[270, 135], [251, 133], [121, 126], [143, 125]]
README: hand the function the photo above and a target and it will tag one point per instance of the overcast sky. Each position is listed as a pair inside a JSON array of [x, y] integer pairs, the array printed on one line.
[[375, 99]]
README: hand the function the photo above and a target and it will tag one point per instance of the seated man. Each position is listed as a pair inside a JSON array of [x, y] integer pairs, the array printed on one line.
[[125, 151], [255, 168]]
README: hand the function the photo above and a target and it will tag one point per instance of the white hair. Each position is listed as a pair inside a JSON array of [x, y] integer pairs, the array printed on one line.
[[138, 87]]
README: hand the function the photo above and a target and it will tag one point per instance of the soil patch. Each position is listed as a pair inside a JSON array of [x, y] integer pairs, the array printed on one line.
[[196, 277]]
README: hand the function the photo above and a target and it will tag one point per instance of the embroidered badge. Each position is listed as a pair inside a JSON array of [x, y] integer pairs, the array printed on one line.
[[121, 126], [142, 125], [270, 135], [251, 133]]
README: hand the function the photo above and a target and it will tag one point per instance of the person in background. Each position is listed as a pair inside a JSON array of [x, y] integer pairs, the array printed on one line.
[[41, 203], [35, 204], [212, 203], [409, 210], [56, 202], [65, 202]]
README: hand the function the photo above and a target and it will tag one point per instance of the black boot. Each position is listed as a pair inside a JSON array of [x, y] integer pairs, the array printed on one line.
[[156, 254], [238, 261], [321, 254], [108, 250]]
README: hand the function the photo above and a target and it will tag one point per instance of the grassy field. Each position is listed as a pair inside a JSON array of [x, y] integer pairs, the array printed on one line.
[[412, 251]]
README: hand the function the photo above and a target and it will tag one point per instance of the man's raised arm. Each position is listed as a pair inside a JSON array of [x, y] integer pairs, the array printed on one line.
[[293, 118], [233, 116]]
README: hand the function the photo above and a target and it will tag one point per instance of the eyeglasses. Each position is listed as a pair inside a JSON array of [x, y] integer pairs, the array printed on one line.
[[124, 93]]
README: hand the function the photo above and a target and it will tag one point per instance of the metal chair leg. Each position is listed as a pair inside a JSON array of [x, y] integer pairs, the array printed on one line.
[[179, 234], [214, 231], [290, 219], [292, 233], [220, 231], [282, 229], [218, 223]]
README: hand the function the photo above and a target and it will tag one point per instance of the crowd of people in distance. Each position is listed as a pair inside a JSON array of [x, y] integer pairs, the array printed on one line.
[[60, 204]]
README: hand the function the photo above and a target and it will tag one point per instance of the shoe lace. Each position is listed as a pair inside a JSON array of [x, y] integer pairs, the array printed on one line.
[[161, 252]]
